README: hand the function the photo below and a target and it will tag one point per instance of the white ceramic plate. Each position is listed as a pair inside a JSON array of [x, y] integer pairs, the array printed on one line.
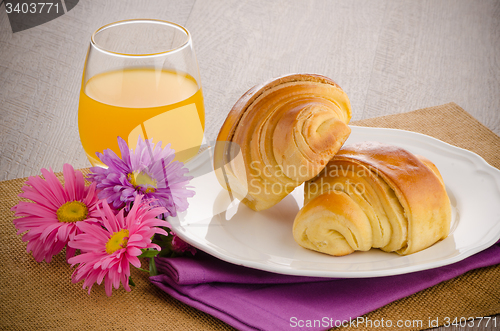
[[263, 240]]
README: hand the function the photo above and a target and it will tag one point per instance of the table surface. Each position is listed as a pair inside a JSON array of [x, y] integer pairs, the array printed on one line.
[[389, 56]]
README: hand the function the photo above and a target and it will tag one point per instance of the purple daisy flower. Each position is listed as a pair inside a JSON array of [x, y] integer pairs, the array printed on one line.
[[147, 171]]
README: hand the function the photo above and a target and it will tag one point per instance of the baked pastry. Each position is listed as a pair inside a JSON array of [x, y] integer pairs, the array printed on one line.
[[280, 134], [374, 195]]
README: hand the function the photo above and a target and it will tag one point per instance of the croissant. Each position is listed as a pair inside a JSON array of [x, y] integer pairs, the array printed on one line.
[[374, 195], [280, 134]]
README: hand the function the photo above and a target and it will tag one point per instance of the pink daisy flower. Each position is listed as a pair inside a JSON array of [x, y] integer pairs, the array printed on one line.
[[149, 170], [108, 252], [53, 216]]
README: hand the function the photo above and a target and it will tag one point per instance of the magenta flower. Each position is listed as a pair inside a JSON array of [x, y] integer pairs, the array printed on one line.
[[149, 171], [180, 246], [53, 216], [108, 251]]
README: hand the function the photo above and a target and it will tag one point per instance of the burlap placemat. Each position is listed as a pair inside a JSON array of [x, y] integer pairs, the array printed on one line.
[[41, 296]]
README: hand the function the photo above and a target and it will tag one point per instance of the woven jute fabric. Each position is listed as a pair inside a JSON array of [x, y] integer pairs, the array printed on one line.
[[40, 296]]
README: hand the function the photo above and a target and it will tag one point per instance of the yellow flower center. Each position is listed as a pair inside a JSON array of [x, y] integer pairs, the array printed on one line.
[[72, 211], [117, 241], [141, 179]]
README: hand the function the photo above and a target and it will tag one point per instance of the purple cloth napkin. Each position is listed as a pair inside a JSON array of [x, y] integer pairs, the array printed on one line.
[[251, 299]]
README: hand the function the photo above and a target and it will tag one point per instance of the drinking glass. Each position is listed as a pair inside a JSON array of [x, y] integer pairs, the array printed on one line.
[[141, 79]]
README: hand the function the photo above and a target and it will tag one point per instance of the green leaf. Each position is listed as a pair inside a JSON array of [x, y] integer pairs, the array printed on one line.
[[131, 282], [165, 242], [148, 253]]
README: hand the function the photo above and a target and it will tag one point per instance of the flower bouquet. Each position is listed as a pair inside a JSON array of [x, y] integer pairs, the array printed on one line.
[[111, 221]]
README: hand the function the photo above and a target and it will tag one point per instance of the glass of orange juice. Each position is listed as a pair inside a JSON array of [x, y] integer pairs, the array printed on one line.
[[141, 78]]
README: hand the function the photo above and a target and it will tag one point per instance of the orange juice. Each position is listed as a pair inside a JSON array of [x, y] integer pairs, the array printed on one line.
[[166, 106]]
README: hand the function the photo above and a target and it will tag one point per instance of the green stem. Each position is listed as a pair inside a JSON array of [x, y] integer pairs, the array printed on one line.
[[152, 267]]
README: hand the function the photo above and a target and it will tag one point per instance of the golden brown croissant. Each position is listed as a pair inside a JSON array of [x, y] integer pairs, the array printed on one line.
[[287, 130], [374, 195]]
